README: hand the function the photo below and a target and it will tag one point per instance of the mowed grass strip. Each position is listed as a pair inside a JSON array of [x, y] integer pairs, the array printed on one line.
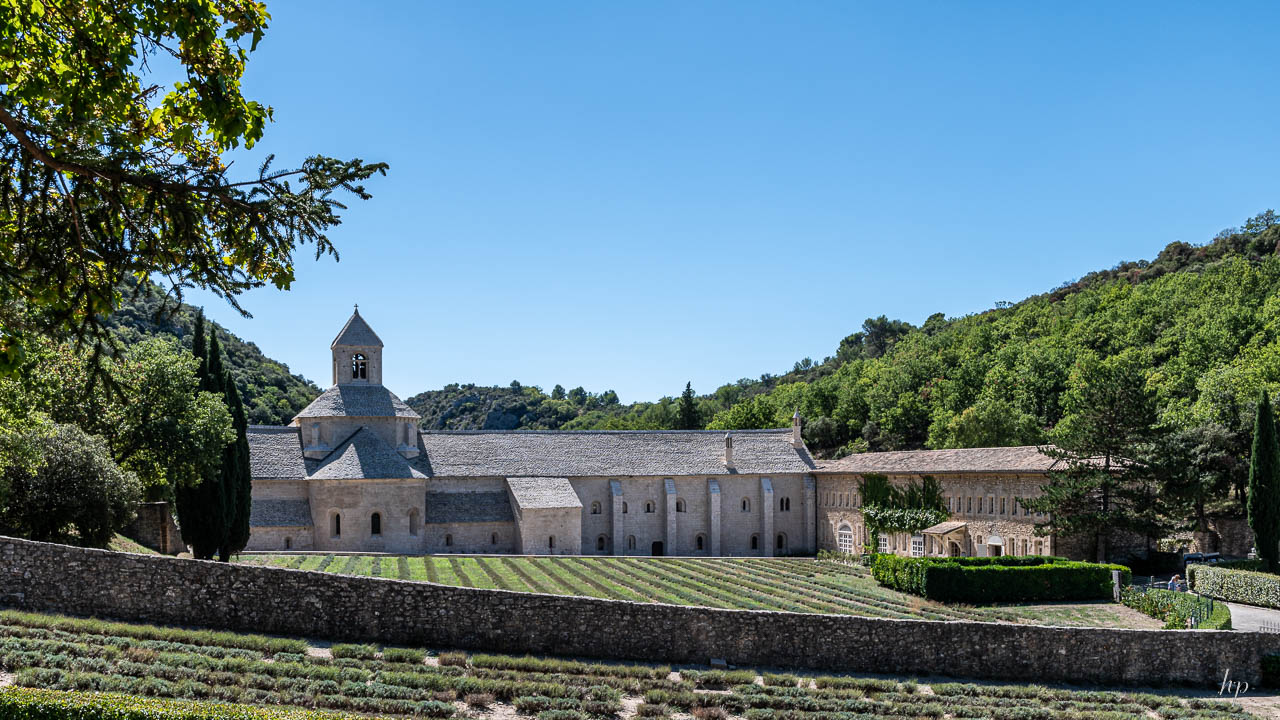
[[734, 592], [615, 590], [678, 591], [500, 575], [555, 568], [468, 569], [442, 571], [765, 586], [617, 572], [316, 562], [402, 567], [418, 568], [521, 572]]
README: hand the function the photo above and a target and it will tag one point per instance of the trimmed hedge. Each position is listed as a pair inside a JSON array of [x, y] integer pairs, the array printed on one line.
[[34, 704], [999, 579], [1242, 586]]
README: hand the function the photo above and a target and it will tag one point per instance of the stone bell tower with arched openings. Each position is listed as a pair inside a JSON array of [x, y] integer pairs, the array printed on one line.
[[357, 353]]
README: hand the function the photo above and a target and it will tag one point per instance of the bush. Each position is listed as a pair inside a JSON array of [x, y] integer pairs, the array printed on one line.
[[710, 713], [1176, 608], [479, 701], [650, 710], [33, 704], [1255, 564], [1242, 586], [456, 659], [404, 655], [999, 579], [360, 652]]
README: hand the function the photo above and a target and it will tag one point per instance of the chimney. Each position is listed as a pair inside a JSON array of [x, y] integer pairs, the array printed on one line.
[[728, 450], [796, 440]]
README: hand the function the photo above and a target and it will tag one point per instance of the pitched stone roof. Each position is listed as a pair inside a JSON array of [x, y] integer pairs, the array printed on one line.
[[357, 400], [357, 332], [1026, 459], [601, 452], [456, 507], [275, 452], [538, 493], [943, 528], [280, 513], [365, 455]]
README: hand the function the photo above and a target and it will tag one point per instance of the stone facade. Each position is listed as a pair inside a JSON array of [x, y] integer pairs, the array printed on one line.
[[154, 528], [156, 589], [354, 473], [991, 521]]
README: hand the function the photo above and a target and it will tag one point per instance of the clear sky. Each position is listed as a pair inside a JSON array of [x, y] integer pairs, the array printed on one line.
[[635, 195]]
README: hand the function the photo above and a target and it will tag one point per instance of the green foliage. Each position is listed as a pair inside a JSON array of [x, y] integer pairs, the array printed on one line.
[[35, 704], [687, 413], [116, 121], [1271, 670], [1177, 609], [1002, 579], [907, 508], [1242, 586], [75, 493], [1264, 484]]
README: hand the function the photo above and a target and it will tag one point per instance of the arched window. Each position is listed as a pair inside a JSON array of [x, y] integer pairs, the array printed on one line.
[[784, 504], [288, 543], [414, 521], [375, 524], [679, 504], [448, 541], [600, 542], [648, 506], [624, 508], [359, 367], [493, 539], [551, 542], [701, 541], [336, 530], [631, 542], [746, 504], [844, 538], [781, 543], [595, 508], [755, 542], [1039, 547]]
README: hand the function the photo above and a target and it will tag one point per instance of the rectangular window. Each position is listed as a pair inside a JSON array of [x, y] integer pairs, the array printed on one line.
[[1001, 506], [883, 544], [917, 546], [970, 509]]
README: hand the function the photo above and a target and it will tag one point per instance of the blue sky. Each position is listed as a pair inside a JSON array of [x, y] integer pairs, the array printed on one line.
[[636, 195]]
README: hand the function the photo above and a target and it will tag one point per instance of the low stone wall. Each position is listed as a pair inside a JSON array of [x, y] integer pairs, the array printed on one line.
[[57, 578]]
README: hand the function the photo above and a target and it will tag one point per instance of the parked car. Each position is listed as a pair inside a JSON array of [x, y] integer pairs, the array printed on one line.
[[1201, 558]]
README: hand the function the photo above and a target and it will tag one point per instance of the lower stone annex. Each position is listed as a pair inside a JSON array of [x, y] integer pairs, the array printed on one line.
[[353, 472]]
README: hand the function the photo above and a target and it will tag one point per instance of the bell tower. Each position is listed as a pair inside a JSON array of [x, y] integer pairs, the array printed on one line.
[[357, 353]]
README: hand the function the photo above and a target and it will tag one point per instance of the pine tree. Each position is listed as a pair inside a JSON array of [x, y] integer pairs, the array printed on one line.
[[687, 414], [237, 477], [1264, 485], [201, 505]]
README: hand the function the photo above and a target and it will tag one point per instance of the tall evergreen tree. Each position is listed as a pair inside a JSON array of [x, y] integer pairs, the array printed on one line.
[[1104, 484], [237, 478], [1264, 485], [202, 505], [687, 416]]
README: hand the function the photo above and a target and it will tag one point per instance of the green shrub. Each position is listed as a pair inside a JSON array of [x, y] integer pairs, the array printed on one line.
[[1000, 579], [718, 679], [1242, 586], [404, 655], [1254, 564], [1271, 670], [562, 715], [34, 704], [651, 710], [360, 652], [1176, 609], [455, 659], [780, 680]]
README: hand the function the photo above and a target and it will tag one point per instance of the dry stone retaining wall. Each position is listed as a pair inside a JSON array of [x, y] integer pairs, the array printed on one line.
[[57, 578]]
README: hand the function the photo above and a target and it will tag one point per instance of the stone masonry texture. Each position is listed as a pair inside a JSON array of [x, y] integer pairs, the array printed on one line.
[[156, 589]]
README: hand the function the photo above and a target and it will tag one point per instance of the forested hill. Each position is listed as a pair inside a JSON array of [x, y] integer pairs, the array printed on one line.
[[1202, 322], [272, 395]]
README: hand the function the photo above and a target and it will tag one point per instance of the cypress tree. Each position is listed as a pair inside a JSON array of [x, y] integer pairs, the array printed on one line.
[[1264, 485], [237, 478], [687, 415], [201, 504]]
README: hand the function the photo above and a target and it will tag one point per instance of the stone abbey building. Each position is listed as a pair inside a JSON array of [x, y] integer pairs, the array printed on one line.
[[353, 472]]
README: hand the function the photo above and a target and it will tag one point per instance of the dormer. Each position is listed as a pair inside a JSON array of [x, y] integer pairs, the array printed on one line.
[[357, 353]]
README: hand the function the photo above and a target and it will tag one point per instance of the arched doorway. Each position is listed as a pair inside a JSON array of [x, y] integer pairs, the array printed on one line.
[[657, 549]]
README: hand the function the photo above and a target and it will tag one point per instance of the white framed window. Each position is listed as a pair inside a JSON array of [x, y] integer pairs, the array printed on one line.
[[844, 539], [917, 546], [882, 545]]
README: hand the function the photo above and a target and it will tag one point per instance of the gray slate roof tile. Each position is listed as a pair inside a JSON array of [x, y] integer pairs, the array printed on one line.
[[357, 332], [1026, 459], [535, 493], [462, 507], [599, 452], [357, 400], [275, 452], [365, 455], [280, 513]]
